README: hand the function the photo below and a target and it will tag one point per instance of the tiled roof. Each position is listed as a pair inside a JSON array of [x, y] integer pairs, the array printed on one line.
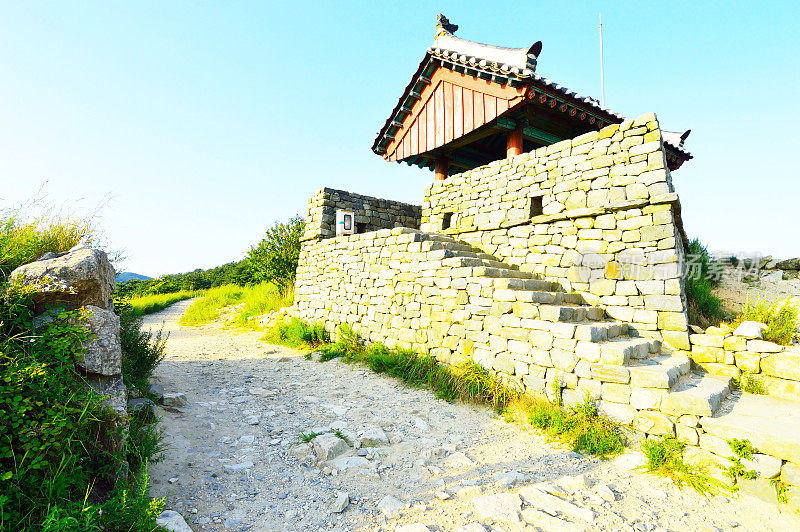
[[516, 64]]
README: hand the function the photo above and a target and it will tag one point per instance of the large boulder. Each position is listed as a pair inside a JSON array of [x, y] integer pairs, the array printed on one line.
[[103, 351], [69, 280], [789, 264]]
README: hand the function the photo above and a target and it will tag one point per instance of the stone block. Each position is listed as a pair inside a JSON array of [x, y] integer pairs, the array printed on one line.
[[686, 434], [785, 365], [103, 350], [734, 343], [766, 466], [616, 393], [645, 398], [707, 354], [790, 474], [761, 346], [617, 412], [706, 340], [746, 361], [676, 339], [608, 373], [760, 488], [672, 321], [652, 422], [716, 445]]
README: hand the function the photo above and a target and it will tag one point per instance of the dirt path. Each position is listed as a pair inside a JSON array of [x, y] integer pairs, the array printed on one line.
[[233, 462]]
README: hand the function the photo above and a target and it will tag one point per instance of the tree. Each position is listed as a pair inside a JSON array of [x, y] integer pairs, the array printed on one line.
[[274, 259]]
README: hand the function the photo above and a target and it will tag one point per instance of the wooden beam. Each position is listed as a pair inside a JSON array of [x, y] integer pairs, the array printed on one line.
[[440, 171], [514, 143]]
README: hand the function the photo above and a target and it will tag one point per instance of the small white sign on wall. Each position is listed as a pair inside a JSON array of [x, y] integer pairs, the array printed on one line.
[[345, 222]]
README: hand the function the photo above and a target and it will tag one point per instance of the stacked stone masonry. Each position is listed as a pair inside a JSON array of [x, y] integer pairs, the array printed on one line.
[[597, 214], [721, 352], [371, 213], [585, 299]]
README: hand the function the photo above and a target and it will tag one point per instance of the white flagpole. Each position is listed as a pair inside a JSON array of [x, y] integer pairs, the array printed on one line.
[[602, 81]]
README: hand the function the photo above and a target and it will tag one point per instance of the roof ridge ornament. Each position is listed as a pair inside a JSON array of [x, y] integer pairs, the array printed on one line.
[[444, 27]]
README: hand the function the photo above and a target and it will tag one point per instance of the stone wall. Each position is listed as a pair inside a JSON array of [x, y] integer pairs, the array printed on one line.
[[597, 213], [721, 351], [371, 213]]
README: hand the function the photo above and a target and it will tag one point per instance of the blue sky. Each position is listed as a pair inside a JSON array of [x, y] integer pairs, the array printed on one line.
[[197, 125]]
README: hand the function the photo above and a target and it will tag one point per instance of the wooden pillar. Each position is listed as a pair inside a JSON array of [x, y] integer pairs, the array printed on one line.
[[514, 144], [440, 170]]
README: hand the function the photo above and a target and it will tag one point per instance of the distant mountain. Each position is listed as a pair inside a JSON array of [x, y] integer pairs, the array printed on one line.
[[127, 276]]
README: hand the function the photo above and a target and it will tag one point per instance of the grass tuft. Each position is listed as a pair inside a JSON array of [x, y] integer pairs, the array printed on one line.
[[297, 333], [306, 437], [581, 427], [750, 383], [781, 319]]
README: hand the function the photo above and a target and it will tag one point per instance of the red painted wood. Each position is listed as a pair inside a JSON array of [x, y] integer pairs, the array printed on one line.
[[451, 106], [469, 116], [458, 112], [502, 106], [489, 107], [448, 112], [440, 120], [413, 133], [480, 117]]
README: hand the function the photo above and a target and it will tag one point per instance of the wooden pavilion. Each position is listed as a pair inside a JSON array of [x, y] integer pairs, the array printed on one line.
[[470, 103]]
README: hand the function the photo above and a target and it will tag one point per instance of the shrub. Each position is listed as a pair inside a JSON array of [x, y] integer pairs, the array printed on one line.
[[274, 259], [52, 426], [781, 319], [702, 276], [142, 350]]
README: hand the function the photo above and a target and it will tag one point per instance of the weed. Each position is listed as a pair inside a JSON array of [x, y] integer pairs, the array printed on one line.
[[750, 383], [23, 241], [743, 450], [339, 434], [781, 319], [781, 490], [665, 457], [306, 437]]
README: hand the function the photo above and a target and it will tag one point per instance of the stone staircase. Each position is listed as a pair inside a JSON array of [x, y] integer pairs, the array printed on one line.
[[607, 350]]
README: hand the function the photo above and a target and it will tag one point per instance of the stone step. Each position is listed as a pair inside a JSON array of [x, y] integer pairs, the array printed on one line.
[[570, 313], [695, 394], [436, 245], [461, 261], [771, 424], [527, 284], [537, 296], [493, 272], [616, 350], [660, 371], [621, 350]]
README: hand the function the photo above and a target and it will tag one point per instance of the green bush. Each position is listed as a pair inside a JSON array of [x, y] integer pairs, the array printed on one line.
[[703, 274], [142, 350], [53, 427], [274, 259], [781, 319]]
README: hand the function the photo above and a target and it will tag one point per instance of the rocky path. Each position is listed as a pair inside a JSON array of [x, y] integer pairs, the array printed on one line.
[[235, 461]]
